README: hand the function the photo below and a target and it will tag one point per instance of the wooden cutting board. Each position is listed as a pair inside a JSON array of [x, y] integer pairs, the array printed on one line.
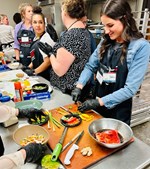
[[78, 161]]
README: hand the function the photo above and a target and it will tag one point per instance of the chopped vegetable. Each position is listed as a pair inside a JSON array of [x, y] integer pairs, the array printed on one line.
[[34, 138], [87, 151], [108, 136]]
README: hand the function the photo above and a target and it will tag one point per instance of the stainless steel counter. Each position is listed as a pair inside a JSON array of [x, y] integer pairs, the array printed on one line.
[[134, 156]]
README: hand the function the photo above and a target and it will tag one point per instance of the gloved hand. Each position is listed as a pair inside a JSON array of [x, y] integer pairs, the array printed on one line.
[[28, 71], [34, 151], [30, 113], [89, 104], [76, 93], [46, 48]]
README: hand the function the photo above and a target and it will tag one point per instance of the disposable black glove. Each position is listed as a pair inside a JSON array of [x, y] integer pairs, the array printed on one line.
[[76, 93], [89, 104], [34, 151], [46, 48], [30, 113], [29, 71]]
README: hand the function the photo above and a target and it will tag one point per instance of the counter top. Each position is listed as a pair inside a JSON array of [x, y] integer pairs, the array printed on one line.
[[134, 156]]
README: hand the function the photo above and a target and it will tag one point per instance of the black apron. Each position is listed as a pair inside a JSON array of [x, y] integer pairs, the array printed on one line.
[[1, 147], [123, 110], [25, 38], [37, 59]]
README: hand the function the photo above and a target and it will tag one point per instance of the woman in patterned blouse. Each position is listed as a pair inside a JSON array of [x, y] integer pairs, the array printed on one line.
[[71, 52]]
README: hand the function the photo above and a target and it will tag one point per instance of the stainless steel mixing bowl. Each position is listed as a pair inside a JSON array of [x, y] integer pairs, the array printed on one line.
[[108, 123]]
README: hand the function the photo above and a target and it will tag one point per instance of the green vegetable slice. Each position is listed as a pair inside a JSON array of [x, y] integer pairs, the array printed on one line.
[[48, 164]]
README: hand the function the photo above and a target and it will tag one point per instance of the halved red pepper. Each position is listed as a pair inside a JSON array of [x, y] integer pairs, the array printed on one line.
[[109, 136], [70, 119]]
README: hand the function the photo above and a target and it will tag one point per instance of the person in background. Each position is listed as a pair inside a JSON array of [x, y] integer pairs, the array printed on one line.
[[6, 37], [40, 64], [29, 153], [24, 35], [4, 19], [69, 55], [17, 18], [93, 42], [119, 62]]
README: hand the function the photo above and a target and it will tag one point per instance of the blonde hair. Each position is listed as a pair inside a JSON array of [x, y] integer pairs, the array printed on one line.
[[2, 17], [74, 8], [22, 8]]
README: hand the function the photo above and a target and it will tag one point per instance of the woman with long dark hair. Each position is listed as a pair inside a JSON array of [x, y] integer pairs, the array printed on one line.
[[119, 62]]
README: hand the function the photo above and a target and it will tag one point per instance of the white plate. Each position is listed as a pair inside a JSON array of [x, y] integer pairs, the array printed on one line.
[[14, 65]]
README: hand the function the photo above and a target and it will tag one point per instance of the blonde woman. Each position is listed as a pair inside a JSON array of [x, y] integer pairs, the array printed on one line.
[[4, 19], [24, 35]]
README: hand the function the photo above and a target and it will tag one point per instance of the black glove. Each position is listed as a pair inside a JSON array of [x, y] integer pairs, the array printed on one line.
[[30, 113], [34, 151], [76, 93], [89, 104], [28, 71], [46, 48]]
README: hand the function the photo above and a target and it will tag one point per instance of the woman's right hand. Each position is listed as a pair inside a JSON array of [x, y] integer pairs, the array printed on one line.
[[76, 93]]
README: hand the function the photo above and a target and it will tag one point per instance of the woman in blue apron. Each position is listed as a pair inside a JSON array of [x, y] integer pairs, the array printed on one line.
[[119, 63], [24, 35]]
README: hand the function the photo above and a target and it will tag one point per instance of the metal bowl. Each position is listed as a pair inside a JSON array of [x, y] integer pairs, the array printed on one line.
[[108, 123]]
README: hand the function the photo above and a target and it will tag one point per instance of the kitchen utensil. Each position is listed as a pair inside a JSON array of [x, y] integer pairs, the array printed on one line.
[[125, 132], [74, 147], [71, 141], [69, 116], [67, 110], [76, 120], [58, 147], [29, 130], [29, 104], [40, 87]]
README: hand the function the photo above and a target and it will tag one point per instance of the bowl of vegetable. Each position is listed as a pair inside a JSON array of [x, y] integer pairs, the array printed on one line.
[[30, 134], [39, 119], [110, 133], [40, 87]]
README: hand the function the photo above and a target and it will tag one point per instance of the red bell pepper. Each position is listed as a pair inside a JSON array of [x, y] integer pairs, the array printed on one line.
[[108, 136]]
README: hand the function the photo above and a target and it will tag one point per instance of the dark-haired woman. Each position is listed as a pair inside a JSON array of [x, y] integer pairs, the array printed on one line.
[[70, 54], [119, 62], [40, 64]]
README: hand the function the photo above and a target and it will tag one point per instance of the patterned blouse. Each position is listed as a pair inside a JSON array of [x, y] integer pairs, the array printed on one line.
[[77, 42]]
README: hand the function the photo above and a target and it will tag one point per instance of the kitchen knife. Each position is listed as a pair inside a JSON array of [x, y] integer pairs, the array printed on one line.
[[72, 150], [71, 141], [67, 110], [58, 147]]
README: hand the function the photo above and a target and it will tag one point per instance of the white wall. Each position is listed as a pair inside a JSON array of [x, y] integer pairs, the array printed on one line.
[[9, 7]]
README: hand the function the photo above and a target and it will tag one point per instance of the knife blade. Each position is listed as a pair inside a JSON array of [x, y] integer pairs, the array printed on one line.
[[71, 141], [71, 151], [58, 147], [67, 110]]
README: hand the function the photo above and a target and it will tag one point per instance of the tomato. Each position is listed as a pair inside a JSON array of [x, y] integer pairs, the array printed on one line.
[[70, 119]]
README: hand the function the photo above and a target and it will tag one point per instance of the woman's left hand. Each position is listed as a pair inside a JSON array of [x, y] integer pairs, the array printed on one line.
[[89, 104]]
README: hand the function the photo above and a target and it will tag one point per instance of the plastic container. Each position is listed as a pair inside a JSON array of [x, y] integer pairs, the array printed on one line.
[[39, 96], [18, 91]]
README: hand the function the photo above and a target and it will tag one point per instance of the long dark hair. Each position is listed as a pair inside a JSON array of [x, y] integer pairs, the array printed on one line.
[[120, 9]]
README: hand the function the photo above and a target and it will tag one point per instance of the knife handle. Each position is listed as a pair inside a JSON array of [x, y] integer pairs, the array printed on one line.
[[56, 152], [70, 154]]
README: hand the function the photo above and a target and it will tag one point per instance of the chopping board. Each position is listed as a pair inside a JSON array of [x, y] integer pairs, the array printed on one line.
[[78, 161]]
